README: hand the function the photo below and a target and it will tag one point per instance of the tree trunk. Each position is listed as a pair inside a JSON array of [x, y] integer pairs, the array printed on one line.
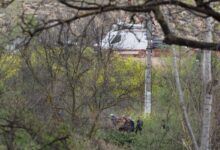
[[91, 131], [207, 83], [10, 136], [182, 102], [73, 107]]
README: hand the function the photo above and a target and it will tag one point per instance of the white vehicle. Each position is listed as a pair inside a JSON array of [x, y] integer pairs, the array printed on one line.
[[126, 37]]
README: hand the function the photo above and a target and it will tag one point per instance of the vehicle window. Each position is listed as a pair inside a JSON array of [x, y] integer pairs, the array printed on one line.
[[116, 39]]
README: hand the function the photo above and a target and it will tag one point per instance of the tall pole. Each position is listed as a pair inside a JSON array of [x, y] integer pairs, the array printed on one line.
[[147, 91]]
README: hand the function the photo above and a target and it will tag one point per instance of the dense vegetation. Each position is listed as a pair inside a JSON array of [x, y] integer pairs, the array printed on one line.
[[58, 86], [45, 104]]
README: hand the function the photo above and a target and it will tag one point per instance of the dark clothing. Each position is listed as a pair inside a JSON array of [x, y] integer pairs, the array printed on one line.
[[131, 126], [114, 120], [125, 127], [139, 126], [128, 125]]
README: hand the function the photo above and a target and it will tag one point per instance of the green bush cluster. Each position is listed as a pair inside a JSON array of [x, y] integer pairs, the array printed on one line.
[[117, 138]]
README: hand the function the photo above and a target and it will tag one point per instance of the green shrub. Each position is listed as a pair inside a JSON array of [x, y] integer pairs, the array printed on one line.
[[117, 138]]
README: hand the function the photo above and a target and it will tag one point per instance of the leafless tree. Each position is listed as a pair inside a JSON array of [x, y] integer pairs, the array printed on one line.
[[83, 9]]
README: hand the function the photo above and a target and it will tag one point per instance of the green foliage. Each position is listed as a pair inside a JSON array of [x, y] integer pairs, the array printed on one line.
[[24, 141], [1, 87], [102, 84], [31, 20], [117, 138], [10, 65], [164, 129], [157, 134], [131, 76]]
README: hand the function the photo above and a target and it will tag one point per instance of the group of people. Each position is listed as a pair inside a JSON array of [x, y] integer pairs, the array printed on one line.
[[126, 124]]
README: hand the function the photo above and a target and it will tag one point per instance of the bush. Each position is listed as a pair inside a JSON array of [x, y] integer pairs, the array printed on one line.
[[117, 138]]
